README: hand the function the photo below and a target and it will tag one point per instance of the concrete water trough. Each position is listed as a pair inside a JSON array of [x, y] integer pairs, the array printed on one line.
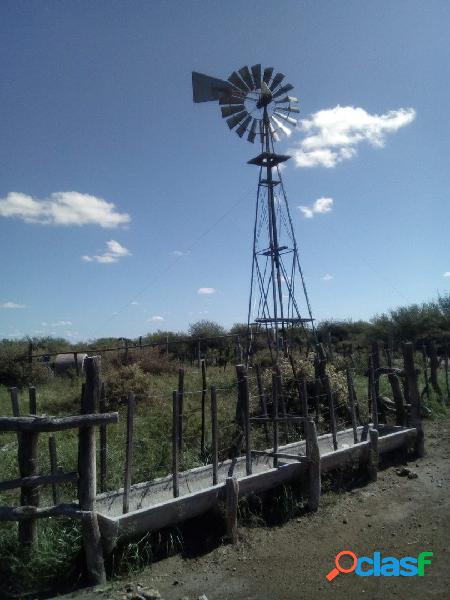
[[153, 507]]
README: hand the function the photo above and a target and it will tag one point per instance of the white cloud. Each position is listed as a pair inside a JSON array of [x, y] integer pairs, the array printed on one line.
[[446, 274], [62, 208], [12, 305], [327, 277], [332, 135], [320, 206], [112, 254], [57, 324], [156, 318], [179, 253], [206, 291], [134, 303]]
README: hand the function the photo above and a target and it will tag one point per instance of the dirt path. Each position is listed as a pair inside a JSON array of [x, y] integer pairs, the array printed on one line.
[[396, 515]]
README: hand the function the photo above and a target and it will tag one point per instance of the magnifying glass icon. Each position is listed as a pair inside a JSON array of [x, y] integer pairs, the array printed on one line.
[[339, 569]]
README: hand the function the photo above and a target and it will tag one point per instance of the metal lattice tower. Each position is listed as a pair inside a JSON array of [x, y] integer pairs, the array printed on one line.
[[254, 101]]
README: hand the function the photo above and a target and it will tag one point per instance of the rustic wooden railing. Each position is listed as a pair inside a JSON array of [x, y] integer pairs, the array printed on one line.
[[28, 429]]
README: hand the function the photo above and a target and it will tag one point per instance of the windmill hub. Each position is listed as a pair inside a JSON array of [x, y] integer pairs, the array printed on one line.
[[254, 101]]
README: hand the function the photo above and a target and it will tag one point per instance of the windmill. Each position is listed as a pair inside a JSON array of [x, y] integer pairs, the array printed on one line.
[[255, 102]]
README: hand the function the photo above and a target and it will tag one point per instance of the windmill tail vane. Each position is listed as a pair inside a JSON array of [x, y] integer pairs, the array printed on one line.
[[255, 101]]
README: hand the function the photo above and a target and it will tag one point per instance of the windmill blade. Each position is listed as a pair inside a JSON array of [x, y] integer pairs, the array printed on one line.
[[286, 99], [283, 90], [234, 120], [273, 133], [289, 109], [206, 88], [252, 133], [267, 75], [256, 72], [280, 125], [247, 77], [276, 81], [237, 81], [235, 98], [290, 120], [243, 126], [227, 111]]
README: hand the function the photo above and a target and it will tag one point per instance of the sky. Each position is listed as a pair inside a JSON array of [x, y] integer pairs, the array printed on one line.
[[126, 208]]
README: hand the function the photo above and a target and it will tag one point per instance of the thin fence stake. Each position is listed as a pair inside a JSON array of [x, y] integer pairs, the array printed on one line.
[[204, 390], [129, 453], [330, 398], [413, 397], [32, 399], [14, 401], [214, 436], [180, 407], [103, 443], [175, 422], [244, 402], [351, 398], [275, 419]]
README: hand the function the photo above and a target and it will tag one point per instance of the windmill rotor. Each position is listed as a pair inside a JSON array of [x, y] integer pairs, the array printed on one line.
[[247, 97]]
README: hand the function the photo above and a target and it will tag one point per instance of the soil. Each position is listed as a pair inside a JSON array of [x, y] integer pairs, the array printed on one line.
[[398, 515]]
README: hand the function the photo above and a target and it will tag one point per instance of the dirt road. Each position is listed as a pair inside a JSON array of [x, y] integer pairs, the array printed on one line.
[[397, 516]]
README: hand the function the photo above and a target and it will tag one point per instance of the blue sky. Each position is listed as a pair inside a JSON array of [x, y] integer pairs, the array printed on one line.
[[120, 199]]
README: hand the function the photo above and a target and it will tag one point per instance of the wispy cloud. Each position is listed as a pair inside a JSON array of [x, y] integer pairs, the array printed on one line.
[[156, 318], [112, 254], [327, 277], [180, 253], [446, 274], [57, 324], [12, 305], [134, 303], [62, 208], [205, 291], [320, 206], [333, 135]]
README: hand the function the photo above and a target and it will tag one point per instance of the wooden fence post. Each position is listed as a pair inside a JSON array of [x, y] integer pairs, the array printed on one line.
[[262, 399], [214, 435], [103, 443], [373, 454], [180, 408], [231, 506], [29, 496], [414, 397], [373, 398], [434, 366], [87, 472], [313, 455], [77, 366], [175, 422], [245, 404], [275, 419], [330, 398], [32, 399], [351, 397], [425, 372], [14, 394], [53, 467], [129, 453], [204, 388]]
